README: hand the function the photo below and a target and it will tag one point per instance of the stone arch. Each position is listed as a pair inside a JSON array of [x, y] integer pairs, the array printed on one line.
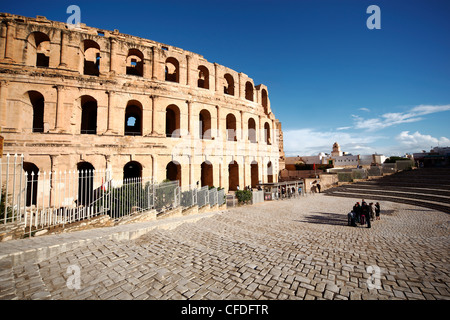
[[267, 138], [88, 115], [254, 173], [133, 118], [203, 77], [231, 127], [132, 170], [265, 101], [205, 124], [172, 121], [269, 172], [31, 171], [85, 183], [38, 104], [249, 91], [252, 130], [172, 70], [91, 52], [135, 63], [229, 87], [207, 174], [38, 49], [173, 171], [233, 176]]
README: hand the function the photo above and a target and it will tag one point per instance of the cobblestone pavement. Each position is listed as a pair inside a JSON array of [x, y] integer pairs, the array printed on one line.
[[293, 249]]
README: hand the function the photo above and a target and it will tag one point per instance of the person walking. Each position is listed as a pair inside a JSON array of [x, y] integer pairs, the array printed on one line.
[[357, 211], [371, 212], [377, 211]]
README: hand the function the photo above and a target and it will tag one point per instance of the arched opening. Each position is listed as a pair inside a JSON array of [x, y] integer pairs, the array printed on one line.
[[207, 177], [91, 51], [135, 63], [39, 49], [249, 91], [229, 87], [172, 70], [231, 127], [205, 124], [37, 103], [233, 176], [252, 130], [132, 170], [270, 172], [267, 133], [254, 174], [265, 101], [88, 115], [85, 183], [172, 121], [133, 119], [173, 172], [203, 77], [31, 171]]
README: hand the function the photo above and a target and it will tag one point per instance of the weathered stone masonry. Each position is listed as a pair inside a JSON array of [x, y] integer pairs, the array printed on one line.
[[95, 99]]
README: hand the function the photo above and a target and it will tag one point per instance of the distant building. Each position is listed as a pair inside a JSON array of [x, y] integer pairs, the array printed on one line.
[[437, 157]]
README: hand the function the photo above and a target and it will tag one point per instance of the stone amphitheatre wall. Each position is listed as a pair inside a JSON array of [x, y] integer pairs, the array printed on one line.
[[93, 98]]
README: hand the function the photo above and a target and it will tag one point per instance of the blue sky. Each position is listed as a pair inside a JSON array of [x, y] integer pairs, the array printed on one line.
[[329, 77]]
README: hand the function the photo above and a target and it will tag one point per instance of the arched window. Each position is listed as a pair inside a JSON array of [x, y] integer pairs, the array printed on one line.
[[133, 119], [132, 170], [91, 51], [88, 115], [233, 176], [252, 130], [85, 183], [207, 177], [203, 77], [37, 102], [135, 63], [264, 101], [173, 171], [172, 70], [205, 124], [39, 49], [254, 173], [231, 127], [267, 133], [249, 91], [269, 172], [229, 87], [31, 171], [172, 121]]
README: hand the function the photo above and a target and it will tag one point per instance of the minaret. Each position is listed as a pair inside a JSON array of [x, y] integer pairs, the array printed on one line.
[[336, 150]]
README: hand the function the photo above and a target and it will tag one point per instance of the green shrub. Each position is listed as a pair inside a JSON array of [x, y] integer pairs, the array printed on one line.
[[244, 196]]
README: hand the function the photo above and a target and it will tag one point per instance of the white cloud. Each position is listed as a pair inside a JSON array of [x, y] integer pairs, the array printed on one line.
[[392, 119], [416, 141], [308, 141], [364, 109]]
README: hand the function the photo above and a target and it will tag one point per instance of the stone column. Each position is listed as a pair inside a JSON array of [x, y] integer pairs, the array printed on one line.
[[239, 85], [154, 77], [64, 44], [188, 70], [112, 56], [242, 125], [154, 98], [218, 123], [59, 126], [9, 45], [3, 105], [109, 120], [189, 103], [216, 77]]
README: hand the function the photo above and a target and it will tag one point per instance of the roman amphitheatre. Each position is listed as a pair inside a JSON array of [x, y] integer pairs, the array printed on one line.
[[129, 108]]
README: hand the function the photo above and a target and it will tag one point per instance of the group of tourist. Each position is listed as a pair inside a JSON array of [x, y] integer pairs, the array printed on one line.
[[364, 213]]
